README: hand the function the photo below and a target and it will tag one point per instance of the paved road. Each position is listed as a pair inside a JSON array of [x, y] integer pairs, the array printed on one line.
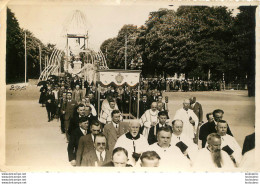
[[32, 141]]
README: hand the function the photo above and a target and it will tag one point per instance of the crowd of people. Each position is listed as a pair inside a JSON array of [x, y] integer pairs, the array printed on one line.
[[181, 85], [98, 134]]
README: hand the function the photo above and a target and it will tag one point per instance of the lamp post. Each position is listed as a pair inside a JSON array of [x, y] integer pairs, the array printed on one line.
[[40, 53], [25, 58], [125, 52]]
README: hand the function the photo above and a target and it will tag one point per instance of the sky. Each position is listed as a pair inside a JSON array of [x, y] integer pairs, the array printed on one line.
[[103, 21], [46, 21]]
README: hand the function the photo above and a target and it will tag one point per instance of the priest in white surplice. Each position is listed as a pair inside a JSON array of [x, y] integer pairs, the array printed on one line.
[[149, 119], [171, 156], [235, 150], [134, 142], [212, 157], [189, 119], [184, 143]]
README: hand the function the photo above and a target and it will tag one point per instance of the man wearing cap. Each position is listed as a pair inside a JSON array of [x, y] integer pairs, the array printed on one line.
[[212, 157], [152, 137], [86, 143], [74, 139], [149, 119], [134, 142], [189, 119], [115, 129], [171, 156]]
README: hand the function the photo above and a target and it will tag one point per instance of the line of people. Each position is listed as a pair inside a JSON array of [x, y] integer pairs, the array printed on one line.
[[153, 140]]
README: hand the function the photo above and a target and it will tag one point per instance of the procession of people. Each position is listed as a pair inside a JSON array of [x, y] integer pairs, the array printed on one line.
[[99, 135]]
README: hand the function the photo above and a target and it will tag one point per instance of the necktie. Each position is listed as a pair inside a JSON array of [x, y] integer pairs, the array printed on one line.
[[101, 158], [116, 125]]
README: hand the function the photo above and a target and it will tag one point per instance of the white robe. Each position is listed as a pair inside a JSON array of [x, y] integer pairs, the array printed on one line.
[[184, 115], [204, 160], [106, 117], [232, 143], [148, 119], [105, 105], [140, 145], [192, 149], [171, 157], [248, 160]]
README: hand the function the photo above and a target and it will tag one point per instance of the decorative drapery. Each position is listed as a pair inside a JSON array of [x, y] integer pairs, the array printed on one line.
[[119, 78]]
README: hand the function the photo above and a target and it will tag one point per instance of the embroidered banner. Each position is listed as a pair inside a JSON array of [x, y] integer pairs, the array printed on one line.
[[119, 78]]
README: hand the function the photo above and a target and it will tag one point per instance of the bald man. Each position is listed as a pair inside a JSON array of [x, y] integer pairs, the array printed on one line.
[[134, 142], [189, 119], [149, 119], [119, 158]]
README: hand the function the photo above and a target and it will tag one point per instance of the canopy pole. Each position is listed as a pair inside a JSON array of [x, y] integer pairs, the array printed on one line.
[[138, 99], [130, 101], [98, 99]]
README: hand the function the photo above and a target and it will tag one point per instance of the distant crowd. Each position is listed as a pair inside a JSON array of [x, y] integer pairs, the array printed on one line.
[[100, 132], [181, 85]]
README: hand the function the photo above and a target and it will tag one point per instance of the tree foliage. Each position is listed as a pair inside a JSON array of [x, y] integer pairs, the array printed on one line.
[[192, 40], [15, 51]]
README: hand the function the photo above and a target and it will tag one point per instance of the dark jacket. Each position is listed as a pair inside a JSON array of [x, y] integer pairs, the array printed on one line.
[[249, 143], [73, 143]]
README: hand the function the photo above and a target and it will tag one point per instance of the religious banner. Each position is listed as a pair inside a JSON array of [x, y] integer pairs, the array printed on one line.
[[119, 78]]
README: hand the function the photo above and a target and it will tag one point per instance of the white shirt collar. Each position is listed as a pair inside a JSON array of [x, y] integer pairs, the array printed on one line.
[[114, 124], [83, 131], [93, 138], [103, 154]]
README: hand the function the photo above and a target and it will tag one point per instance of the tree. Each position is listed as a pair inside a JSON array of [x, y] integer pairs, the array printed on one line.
[[14, 49], [244, 45]]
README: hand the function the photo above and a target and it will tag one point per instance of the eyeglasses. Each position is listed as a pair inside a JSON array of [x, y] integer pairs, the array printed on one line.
[[103, 144]]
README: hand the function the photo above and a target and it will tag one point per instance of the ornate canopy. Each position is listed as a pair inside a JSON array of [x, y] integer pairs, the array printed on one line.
[[118, 77]]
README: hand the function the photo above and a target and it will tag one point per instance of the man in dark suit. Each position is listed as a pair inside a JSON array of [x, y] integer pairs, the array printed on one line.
[[119, 158], [50, 99], [68, 109], [98, 156], [86, 143], [114, 129], [249, 143], [61, 101], [74, 139], [93, 101], [210, 126], [74, 121], [153, 97], [143, 105], [197, 108], [77, 94], [152, 136]]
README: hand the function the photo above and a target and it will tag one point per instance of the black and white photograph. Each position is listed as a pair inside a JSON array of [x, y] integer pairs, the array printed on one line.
[[161, 85]]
